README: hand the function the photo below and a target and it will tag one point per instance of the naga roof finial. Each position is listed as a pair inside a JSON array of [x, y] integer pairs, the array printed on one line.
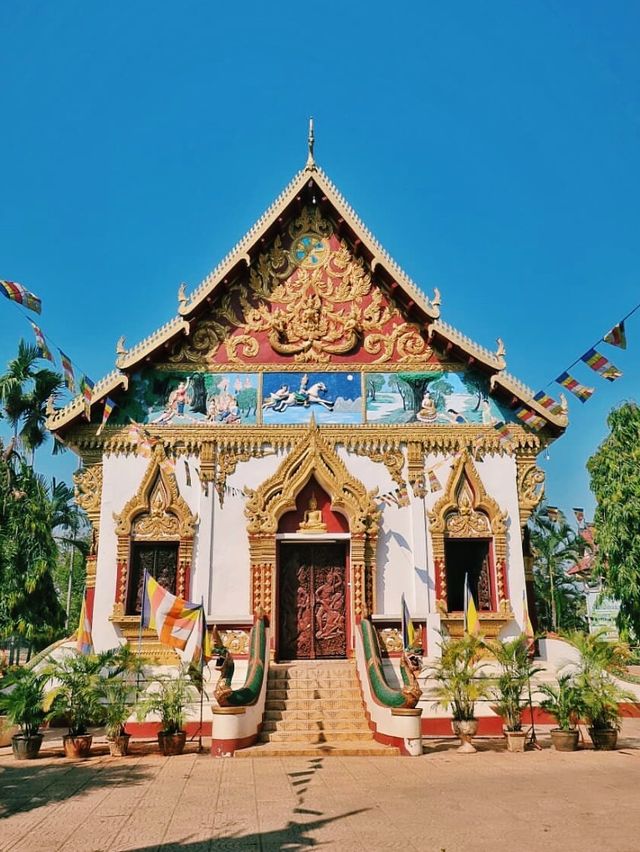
[[311, 163]]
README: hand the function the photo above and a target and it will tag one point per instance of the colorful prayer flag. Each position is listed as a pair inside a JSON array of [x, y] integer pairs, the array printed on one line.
[[553, 513], [602, 365], [434, 482], [86, 389], [504, 433], [170, 616], [408, 630], [531, 419], [402, 496], [67, 369], [526, 621], [617, 336], [84, 640], [109, 405], [17, 293], [579, 513], [548, 402], [195, 646], [471, 620], [41, 343], [581, 391]]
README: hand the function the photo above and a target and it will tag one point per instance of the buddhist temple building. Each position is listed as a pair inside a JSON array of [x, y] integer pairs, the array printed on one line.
[[307, 438]]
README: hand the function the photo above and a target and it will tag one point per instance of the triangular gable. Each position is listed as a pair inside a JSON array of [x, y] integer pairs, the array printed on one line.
[[412, 321]]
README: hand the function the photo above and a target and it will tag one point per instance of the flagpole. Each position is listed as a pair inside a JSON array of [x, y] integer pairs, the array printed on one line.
[[204, 631], [144, 592]]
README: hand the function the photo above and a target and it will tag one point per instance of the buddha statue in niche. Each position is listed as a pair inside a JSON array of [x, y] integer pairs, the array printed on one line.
[[312, 522]]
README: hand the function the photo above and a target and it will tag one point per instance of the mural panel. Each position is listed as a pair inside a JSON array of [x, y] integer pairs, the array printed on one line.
[[180, 397], [432, 397], [294, 397]]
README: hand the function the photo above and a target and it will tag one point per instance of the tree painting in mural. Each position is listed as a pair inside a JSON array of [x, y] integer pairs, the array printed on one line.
[[477, 386], [615, 481], [375, 383], [560, 603]]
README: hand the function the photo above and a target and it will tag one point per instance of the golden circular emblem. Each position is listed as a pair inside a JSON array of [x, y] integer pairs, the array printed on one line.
[[310, 251]]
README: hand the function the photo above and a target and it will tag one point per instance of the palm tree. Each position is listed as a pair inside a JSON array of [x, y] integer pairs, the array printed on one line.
[[67, 521], [24, 392], [557, 547]]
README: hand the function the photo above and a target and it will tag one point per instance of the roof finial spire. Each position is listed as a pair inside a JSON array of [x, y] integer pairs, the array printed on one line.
[[311, 163]]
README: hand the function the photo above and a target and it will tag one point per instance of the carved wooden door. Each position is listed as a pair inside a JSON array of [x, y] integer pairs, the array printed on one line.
[[313, 601]]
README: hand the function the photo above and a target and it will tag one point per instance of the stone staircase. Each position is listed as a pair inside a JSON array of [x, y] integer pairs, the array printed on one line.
[[314, 708]]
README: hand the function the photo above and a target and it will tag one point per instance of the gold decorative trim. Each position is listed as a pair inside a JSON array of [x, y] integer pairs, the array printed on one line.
[[465, 510], [491, 623], [313, 456], [530, 485], [390, 456]]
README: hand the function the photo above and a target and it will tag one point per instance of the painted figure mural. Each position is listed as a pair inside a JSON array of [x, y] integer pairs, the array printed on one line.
[[432, 397], [293, 397]]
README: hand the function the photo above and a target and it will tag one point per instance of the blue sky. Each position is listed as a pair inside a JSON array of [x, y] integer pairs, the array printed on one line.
[[491, 147]]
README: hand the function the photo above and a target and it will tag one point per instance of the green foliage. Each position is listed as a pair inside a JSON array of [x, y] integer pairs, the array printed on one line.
[[375, 383], [168, 699], [22, 699], [118, 692], [459, 676], [29, 606], [516, 669], [615, 481], [601, 695], [563, 701], [560, 603], [79, 687]]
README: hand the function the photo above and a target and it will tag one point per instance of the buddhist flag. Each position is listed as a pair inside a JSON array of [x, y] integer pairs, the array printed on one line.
[[17, 293], [533, 420], [553, 513], [408, 630], [434, 482], [86, 389], [41, 343], [617, 336], [194, 651], [402, 496], [108, 408], [504, 433], [548, 402], [67, 369], [173, 618], [526, 621], [581, 391], [471, 620], [84, 642], [592, 358], [579, 513]]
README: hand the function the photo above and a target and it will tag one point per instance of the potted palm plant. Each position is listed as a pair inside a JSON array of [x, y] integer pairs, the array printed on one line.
[[516, 670], [22, 699], [76, 696], [168, 699], [601, 695], [119, 697], [563, 700], [460, 684]]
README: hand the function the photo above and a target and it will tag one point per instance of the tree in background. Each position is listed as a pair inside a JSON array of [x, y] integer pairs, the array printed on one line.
[[615, 481], [71, 533], [24, 391], [560, 603]]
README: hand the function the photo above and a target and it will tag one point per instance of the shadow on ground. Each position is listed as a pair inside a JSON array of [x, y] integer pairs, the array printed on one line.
[[294, 836], [27, 785]]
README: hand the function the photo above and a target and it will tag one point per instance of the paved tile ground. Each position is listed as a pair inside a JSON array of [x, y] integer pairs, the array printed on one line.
[[540, 800]]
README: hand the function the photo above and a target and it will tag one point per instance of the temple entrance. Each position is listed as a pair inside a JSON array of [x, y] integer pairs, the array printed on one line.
[[312, 601], [464, 556]]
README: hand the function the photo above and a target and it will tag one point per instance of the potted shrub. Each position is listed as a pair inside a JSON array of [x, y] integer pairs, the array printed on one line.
[[22, 699], [563, 701], [77, 695], [516, 670], [460, 684], [168, 699], [601, 696], [119, 697]]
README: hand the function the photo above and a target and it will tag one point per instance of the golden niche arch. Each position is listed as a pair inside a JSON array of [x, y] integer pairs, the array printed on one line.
[[313, 456], [157, 513], [466, 511]]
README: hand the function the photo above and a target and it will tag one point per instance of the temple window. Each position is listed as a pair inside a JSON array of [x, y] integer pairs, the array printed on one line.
[[160, 560], [468, 557]]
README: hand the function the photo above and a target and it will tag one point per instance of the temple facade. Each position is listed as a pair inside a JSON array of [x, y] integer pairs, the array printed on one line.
[[308, 439]]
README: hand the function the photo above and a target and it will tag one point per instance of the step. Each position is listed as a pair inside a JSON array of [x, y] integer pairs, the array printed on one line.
[[327, 749], [307, 736], [314, 712], [315, 693], [325, 725], [332, 704]]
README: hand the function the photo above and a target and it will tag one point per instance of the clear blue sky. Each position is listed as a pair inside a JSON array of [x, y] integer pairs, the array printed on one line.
[[491, 147]]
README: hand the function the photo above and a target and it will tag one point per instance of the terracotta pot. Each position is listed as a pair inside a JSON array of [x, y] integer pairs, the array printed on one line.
[[465, 729], [77, 746], [119, 746], [516, 740], [564, 740], [604, 739], [172, 743], [26, 748]]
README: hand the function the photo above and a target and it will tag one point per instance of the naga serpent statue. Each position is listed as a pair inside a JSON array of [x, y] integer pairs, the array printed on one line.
[[249, 693], [406, 697]]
